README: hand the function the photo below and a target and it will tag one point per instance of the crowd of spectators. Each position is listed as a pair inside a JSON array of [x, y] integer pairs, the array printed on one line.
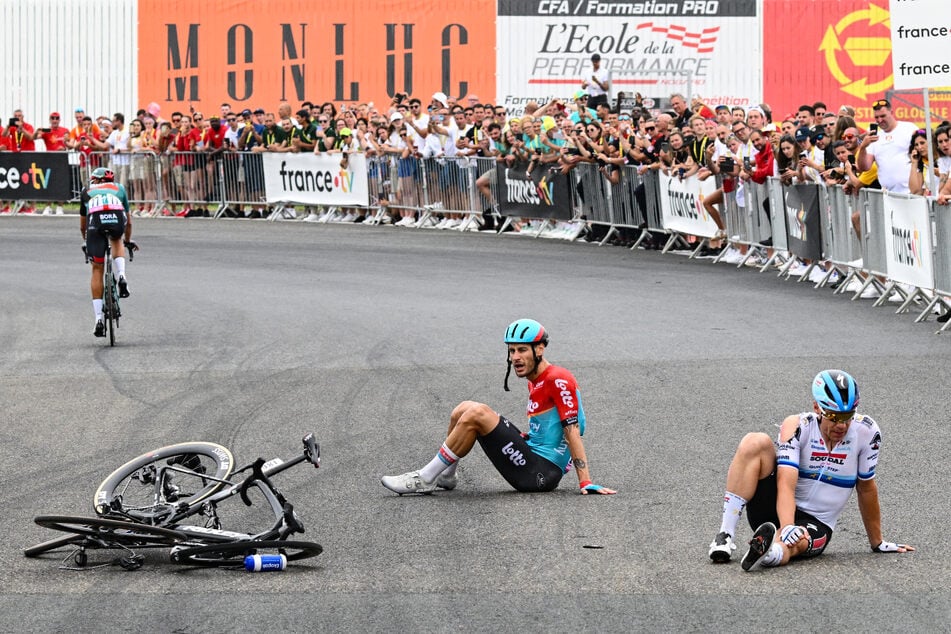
[[180, 155]]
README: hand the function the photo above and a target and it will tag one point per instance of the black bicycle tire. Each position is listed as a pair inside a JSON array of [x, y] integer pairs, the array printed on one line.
[[51, 544], [224, 463], [215, 555], [137, 534], [109, 297]]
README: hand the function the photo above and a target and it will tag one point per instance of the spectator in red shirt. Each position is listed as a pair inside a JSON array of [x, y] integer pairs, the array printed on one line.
[[54, 137]]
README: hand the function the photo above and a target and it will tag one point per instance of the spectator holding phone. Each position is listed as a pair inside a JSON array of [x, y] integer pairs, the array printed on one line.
[[886, 145]]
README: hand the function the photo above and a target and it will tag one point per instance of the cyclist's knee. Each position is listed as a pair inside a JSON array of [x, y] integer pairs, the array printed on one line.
[[756, 443], [474, 414]]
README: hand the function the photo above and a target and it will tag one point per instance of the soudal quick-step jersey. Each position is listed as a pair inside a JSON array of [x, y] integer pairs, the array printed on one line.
[[827, 475], [553, 398]]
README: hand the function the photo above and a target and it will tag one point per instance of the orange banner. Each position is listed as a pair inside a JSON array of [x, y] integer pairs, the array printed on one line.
[[258, 54]]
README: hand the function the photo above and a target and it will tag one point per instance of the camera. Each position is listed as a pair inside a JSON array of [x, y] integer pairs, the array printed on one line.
[[727, 163], [13, 122]]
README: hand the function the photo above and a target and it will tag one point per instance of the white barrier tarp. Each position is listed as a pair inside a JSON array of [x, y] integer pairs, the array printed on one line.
[[908, 241], [681, 205], [315, 179], [544, 49]]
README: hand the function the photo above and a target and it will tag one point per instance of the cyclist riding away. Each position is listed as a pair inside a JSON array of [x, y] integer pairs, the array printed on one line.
[[534, 461], [104, 214], [803, 483]]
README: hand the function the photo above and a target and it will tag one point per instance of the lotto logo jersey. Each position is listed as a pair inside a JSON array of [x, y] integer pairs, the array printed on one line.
[[827, 475], [553, 398]]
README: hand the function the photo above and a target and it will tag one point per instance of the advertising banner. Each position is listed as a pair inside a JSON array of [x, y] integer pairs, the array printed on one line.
[[545, 193], [35, 176], [681, 204], [921, 47], [843, 55], [802, 221], [655, 48], [908, 241], [251, 54], [315, 179]]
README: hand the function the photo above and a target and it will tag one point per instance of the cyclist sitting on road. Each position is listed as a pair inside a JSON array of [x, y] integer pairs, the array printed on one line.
[[104, 211], [530, 462], [804, 482]]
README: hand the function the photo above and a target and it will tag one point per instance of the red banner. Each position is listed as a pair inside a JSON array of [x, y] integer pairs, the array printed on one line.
[[835, 52], [254, 54]]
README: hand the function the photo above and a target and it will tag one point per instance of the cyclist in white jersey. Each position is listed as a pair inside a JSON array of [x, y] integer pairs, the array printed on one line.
[[803, 482]]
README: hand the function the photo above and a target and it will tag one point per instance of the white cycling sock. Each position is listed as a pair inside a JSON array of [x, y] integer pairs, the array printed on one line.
[[773, 556], [120, 267], [733, 506], [97, 308], [443, 460]]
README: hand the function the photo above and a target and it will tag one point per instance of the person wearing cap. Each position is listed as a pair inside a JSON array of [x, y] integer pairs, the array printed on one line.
[[887, 147], [810, 161], [822, 140], [582, 113], [597, 83], [532, 462], [723, 115], [54, 137]]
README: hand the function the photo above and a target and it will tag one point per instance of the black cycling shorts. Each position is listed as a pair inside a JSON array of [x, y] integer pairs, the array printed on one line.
[[98, 226], [762, 509], [525, 470]]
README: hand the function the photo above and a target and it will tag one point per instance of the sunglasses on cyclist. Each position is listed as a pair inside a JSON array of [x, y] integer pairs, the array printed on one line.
[[838, 417]]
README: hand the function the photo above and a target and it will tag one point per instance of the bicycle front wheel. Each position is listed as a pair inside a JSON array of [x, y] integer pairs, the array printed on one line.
[[109, 533], [149, 488], [233, 554]]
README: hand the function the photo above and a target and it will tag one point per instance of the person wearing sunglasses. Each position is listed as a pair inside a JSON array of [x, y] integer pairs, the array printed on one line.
[[886, 145], [793, 491]]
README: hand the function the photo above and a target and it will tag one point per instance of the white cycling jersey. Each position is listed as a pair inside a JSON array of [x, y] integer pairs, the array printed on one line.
[[827, 475]]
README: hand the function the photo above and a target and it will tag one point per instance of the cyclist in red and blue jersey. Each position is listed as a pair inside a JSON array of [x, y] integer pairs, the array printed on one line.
[[533, 461], [104, 214]]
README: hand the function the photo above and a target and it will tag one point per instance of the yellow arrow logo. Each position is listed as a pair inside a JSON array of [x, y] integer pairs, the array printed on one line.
[[871, 52]]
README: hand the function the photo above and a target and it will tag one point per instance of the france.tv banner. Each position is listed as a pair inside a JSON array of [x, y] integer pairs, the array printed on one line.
[[544, 193], [802, 221], [35, 176], [316, 179], [681, 204], [908, 240]]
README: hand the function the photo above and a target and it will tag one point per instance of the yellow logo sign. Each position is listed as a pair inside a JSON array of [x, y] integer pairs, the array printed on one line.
[[863, 52]]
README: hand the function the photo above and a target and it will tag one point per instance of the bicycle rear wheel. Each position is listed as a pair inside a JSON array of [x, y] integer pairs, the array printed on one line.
[[233, 554], [109, 533], [150, 487], [110, 307], [52, 544]]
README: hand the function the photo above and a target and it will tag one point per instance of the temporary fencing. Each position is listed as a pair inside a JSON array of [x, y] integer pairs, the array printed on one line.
[[901, 250]]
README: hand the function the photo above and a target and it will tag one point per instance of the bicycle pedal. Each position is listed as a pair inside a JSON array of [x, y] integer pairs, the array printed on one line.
[[132, 562]]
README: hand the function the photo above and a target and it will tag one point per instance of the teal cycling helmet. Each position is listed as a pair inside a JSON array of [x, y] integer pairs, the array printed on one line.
[[102, 174], [524, 331], [835, 391]]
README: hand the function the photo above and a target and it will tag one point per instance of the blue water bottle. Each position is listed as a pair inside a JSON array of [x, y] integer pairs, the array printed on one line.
[[261, 563]]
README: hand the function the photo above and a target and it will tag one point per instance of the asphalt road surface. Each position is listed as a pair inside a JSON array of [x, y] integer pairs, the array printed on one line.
[[251, 334]]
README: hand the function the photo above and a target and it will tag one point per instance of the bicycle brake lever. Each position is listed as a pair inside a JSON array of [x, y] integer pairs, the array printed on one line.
[[256, 474], [291, 523]]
